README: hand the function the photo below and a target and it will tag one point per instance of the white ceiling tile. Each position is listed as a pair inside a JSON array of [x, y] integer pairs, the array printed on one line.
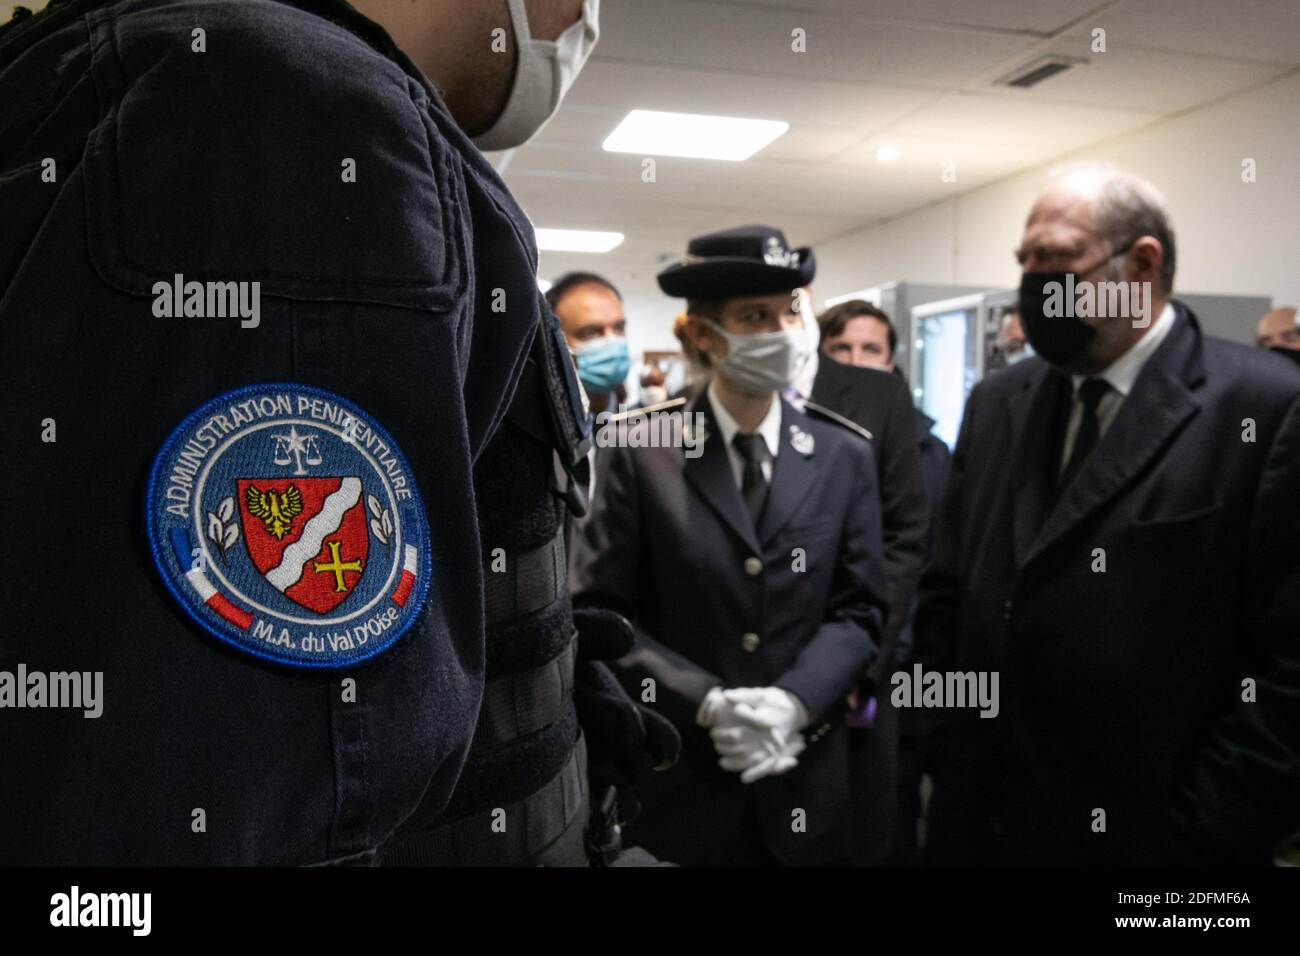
[[845, 98], [1148, 79], [1013, 118], [1041, 16], [1264, 30], [756, 40]]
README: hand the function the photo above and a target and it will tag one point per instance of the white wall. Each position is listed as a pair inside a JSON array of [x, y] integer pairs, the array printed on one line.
[[1233, 237]]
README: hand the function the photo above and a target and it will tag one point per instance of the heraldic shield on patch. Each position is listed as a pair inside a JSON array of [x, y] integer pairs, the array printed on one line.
[[288, 524]]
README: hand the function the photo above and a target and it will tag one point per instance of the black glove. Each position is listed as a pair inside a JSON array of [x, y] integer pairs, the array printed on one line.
[[626, 741]]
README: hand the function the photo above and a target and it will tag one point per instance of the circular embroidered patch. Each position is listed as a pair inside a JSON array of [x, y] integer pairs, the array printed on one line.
[[287, 523]]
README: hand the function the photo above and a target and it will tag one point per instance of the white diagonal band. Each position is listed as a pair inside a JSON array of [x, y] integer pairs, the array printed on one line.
[[286, 574]]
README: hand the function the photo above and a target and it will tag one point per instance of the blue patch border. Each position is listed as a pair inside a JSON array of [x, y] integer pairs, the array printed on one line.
[[419, 593]]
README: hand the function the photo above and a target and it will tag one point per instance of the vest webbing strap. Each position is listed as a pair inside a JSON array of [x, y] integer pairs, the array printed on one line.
[[531, 825], [530, 581], [516, 705]]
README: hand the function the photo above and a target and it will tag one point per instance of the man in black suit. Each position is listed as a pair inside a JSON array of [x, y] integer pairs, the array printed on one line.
[[1118, 540], [859, 378], [752, 571]]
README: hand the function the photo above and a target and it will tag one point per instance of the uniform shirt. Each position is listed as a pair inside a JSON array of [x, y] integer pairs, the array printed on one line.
[[769, 429], [1120, 375]]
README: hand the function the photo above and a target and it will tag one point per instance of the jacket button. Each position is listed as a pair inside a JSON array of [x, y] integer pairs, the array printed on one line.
[[753, 566], [750, 642], [1006, 610]]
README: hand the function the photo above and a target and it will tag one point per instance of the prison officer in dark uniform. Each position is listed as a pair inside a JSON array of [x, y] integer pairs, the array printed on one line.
[[265, 305], [752, 572]]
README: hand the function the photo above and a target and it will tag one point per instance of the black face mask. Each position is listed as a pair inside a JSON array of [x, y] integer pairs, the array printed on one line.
[[1060, 339], [1292, 354]]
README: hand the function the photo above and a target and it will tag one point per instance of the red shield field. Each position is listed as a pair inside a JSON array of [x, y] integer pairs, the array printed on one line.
[[307, 536]]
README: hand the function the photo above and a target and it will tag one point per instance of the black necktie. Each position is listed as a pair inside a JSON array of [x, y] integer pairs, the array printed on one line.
[[753, 486], [1091, 392]]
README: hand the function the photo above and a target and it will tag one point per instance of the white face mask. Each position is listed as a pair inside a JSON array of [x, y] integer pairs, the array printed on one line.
[[763, 362], [544, 73], [1026, 351]]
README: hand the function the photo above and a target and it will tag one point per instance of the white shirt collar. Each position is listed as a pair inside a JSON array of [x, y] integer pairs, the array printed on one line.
[[1123, 372], [769, 427]]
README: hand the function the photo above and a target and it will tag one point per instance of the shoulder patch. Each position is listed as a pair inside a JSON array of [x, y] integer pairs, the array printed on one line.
[[287, 524], [824, 413]]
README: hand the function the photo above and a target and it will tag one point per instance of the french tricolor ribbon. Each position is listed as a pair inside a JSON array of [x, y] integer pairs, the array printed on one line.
[[208, 594], [410, 563]]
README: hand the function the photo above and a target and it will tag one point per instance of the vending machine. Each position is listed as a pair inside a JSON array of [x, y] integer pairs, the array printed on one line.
[[954, 343]]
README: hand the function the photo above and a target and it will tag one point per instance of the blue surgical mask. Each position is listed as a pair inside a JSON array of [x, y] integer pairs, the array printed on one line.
[[603, 363]]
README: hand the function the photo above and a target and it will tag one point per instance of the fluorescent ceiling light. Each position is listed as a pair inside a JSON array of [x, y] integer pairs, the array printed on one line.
[[651, 133], [577, 240], [544, 285], [887, 154]]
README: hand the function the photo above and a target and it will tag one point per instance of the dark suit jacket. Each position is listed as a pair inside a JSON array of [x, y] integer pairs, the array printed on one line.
[[935, 460], [1121, 690], [881, 403], [667, 543]]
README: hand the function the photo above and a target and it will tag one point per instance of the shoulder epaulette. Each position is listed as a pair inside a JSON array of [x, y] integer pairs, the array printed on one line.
[[821, 411], [647, 409]]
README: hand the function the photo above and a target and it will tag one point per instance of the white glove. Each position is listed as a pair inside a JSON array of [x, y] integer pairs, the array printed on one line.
[[756, 752], [756, 730], [711, 708], [768, 707]]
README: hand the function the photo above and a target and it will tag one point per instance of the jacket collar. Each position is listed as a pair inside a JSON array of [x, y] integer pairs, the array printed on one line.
[[1162, 400], [794, 473]]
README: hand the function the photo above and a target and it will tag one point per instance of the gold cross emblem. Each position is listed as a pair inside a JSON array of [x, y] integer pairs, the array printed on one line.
[[337, 566]]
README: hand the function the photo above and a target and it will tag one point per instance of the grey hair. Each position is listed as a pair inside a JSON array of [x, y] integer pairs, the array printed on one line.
[[1126, 208]]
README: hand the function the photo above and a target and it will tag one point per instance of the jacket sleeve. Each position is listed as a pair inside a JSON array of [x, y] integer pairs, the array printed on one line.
[[849, 637], [1241, 795], [905, 517], [606, 570]]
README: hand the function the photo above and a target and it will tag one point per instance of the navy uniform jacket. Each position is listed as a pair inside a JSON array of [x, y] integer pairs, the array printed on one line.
[[1122, 689], [227, 165], [669, 544]]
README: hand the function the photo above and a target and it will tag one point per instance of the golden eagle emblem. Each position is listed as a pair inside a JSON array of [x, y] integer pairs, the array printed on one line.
[[277, 509]]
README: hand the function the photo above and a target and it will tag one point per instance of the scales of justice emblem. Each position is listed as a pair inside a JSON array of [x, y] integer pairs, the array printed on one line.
[[306, 534]]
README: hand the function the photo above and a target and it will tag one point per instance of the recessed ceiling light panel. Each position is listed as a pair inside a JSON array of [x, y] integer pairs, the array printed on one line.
[[577, 240], [692, 135]]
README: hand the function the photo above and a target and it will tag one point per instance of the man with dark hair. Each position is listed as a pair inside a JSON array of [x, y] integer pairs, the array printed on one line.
[[1118, 543], [590, 311], [253, 270], [850, 336], [857, 333]]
